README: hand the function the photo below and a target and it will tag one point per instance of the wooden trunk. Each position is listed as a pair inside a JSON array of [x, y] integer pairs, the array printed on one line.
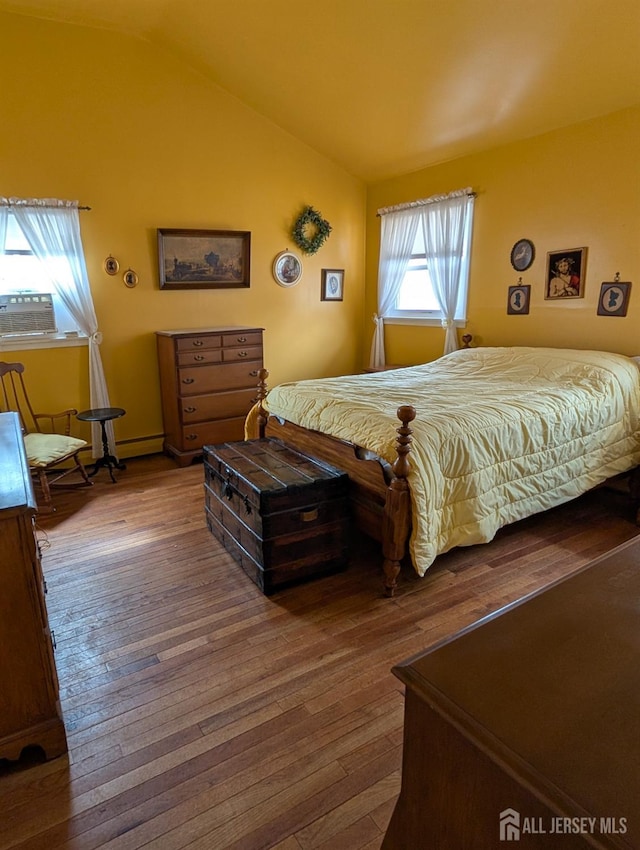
[[281, 514]]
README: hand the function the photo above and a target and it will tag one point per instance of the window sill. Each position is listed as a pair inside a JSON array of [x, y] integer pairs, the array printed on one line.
[[32, 341]]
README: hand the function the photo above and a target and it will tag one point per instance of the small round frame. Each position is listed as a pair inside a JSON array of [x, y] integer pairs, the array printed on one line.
[[287, 268], [522, 254], [130, 278], [111, 265]]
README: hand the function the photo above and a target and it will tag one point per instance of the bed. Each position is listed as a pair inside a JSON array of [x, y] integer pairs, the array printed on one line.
[[446, 453]]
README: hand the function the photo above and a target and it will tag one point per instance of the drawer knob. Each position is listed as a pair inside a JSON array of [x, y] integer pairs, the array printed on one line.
[[242, 353], [189, 409], [254, 373], [191, 437], [198, 357], [187, 380], [242, 339], [309, 516], [198, 343]]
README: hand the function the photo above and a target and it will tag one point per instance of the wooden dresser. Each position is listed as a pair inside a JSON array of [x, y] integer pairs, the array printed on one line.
[[525, 728], [29, 706], [208, 380]]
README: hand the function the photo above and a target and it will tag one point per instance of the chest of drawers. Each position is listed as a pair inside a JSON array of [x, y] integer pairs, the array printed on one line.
[[208, 382], [29, 707]]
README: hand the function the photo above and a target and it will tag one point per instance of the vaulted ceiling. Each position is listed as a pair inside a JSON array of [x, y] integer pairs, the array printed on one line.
[[385, 87]]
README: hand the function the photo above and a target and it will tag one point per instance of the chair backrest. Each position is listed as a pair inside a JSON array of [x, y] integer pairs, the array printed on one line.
[[14, 395]]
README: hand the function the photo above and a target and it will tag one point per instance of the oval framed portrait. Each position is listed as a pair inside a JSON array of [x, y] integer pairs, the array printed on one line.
[[111, 265], [287, 268], [522, 254], [130, 278]]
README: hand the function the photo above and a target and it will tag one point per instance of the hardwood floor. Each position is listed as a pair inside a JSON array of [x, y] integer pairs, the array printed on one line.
[[201, 714]]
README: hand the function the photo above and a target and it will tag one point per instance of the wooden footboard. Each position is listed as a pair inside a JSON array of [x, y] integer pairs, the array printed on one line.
[[379, 491]]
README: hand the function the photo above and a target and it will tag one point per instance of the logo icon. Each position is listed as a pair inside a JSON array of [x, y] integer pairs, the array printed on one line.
[[509, 825]]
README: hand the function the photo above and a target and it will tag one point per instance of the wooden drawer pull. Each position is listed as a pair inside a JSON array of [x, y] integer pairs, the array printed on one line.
[[198, 357], [189, 409], [191, 437], [241, 339], [242, 354], [187, 380], [198, 343], [309, 516], [254, 373]]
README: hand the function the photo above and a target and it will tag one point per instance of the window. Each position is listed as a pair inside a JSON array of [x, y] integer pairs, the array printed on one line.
[[21, 272], [416, 300]]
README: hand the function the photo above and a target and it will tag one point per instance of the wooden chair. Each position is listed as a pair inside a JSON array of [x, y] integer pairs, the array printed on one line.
[[47, 437]]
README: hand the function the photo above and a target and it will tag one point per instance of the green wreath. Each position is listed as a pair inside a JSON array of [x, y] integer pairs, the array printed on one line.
[[310, 230]]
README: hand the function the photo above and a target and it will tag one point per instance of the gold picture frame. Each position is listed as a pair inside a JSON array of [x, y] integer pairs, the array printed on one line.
[[111, 265], [204, 259], [566, 272]]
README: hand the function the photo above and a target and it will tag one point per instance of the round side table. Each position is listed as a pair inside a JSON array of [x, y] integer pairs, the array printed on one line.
[[104, 415]]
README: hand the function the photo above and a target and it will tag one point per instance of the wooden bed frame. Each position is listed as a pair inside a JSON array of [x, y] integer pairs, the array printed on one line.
[[379, 491]]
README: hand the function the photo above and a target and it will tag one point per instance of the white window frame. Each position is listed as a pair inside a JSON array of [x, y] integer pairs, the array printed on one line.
[[431, 318], [69, 335]]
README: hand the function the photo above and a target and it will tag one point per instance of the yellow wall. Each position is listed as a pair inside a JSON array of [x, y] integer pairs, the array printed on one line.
[[147, 143], [567, 189]]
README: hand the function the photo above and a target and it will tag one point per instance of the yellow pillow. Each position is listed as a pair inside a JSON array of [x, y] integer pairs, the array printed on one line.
[[43, 449]]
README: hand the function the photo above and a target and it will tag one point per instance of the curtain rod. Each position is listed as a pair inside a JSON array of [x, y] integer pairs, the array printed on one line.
[[424, 201], [35, 206]]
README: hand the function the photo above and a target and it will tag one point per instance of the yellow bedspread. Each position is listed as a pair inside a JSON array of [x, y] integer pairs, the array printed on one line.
[[500, 433]]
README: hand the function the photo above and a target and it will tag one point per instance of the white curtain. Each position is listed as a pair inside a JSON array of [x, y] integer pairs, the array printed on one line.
[[52, 229], [447, 233], [398, 234]]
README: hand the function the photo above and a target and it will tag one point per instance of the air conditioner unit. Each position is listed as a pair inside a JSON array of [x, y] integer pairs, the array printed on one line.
[[27, 313]]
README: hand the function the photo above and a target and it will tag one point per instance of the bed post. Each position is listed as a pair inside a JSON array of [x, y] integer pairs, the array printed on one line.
[[634, 491], [262, 415], [396, 518]]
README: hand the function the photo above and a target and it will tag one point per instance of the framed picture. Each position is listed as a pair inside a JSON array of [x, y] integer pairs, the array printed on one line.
[[522, 254], [566, 273], [130, 278], [332, 288], [614, 298], [111, 265], [518, 302], [287, 268], [204, 259]]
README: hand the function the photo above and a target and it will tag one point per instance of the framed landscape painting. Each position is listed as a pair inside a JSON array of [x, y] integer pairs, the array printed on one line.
[[204, 259]]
